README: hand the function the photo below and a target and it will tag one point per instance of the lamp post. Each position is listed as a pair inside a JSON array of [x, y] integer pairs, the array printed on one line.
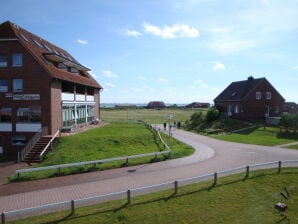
[[170, 116]]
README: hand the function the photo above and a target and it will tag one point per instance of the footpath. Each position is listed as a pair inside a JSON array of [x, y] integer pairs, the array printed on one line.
[[211, 156]]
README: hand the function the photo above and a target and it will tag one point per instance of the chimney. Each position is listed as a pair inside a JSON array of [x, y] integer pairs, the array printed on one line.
[[250, 78]]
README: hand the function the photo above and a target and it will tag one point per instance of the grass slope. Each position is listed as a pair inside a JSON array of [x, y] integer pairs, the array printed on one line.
[[269, 136], [233, 200], [110, 141]]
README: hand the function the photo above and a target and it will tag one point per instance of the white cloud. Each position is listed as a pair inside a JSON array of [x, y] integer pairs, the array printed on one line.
[[201, 84], [84, 42], [133, 33], [109, 85], [217, 66], [163, 80], [228, 46], [171, 32], [109, 74]]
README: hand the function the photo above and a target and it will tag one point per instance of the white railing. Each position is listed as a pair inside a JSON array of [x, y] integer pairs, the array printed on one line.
[[94, 162], [41, 132], [49, 144], [72, 204]]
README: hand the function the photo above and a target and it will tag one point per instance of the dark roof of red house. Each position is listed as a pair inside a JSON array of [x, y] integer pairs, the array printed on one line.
[[156, 104], [46, 54], [238, 91]]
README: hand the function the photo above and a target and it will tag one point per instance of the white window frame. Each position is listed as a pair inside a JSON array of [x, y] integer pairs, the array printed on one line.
[[258, 95], [268, 95]]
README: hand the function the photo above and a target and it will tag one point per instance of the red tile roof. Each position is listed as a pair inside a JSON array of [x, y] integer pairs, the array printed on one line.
[[39, 48]]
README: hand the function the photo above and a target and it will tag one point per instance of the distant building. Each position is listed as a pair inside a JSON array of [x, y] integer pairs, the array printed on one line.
[[250, 99], [156, 105], [42, 87], [198, 105], [126, 106]]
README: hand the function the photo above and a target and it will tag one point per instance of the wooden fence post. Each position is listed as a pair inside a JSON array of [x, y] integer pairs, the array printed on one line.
[[175, 187], [279, 166], [215, 178], [72, 206], [128, 197], [247, 172], [2, 218]]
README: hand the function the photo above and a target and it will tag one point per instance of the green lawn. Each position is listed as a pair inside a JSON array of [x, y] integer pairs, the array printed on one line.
[[232, 200], [110, 141], [151, 116], [269, 136]]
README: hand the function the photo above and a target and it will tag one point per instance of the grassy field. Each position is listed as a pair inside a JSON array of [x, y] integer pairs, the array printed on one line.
[[110, 141], [232, 200], [151, 116], [260, 136]]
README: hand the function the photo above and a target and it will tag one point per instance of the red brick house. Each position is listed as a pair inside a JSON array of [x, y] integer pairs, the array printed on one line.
[[250, 99], [41, 86]]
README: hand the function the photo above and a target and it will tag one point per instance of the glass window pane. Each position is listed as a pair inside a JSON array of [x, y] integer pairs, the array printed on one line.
[[5, 114], [3, 85], [3, 60], [17, 60], [17, 85]]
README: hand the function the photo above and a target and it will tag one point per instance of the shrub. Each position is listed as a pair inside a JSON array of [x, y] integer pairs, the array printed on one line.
[[212, 115]]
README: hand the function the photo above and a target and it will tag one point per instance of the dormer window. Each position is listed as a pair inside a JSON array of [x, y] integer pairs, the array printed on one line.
[[24, 37], [37, 43], [48, 48], [62, 66]]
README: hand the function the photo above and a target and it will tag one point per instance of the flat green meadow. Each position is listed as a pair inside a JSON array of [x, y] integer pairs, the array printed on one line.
[[233, 200]]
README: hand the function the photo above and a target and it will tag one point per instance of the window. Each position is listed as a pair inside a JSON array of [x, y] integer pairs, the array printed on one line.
[[5, 115], [268, 95], [3, 86], [17, 60], [17, 85], [236, 109], [29, 114], [258, 95], [3, 60], [24, 37], [18, 140], [37, 43]]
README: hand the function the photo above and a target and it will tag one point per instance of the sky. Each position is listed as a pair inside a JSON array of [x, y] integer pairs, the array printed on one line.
[[176, 51]]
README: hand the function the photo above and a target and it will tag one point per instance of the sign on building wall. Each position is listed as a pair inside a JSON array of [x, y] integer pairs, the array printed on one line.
[[26, 97]]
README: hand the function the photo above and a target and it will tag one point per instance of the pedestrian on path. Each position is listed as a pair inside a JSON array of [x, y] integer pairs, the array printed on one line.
[[164, 126]]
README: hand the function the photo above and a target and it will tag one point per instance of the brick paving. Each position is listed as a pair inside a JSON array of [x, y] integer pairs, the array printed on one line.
[[211, 156]]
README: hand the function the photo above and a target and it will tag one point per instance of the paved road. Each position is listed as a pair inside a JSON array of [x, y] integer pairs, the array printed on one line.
[[211, 155]]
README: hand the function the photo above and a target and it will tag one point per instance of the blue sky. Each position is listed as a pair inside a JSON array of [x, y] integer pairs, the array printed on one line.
[[171, 50]]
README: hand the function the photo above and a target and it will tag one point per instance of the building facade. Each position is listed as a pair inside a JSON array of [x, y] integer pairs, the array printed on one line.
[[41, 87], [250, 99]]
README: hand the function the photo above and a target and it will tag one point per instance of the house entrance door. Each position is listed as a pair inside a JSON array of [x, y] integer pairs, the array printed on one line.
[[1, 144]]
